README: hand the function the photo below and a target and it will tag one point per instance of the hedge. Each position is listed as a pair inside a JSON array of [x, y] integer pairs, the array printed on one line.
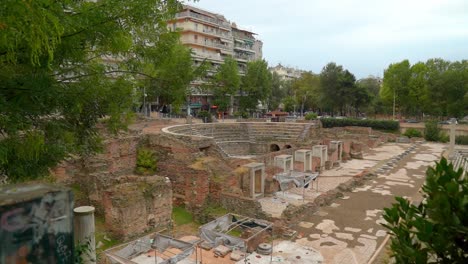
[[461, 140], [374, 124]]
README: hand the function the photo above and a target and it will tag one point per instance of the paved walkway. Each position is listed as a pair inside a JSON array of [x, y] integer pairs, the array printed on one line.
[[349, 230], [330, 179]]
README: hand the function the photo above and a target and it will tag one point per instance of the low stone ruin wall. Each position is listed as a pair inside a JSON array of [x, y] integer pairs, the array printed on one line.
[[139, 205]]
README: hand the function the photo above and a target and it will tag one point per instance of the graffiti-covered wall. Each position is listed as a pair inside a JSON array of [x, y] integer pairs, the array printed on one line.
[[36, 224]]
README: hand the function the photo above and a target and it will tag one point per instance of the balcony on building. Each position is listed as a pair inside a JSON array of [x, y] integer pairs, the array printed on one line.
[[204, 18]]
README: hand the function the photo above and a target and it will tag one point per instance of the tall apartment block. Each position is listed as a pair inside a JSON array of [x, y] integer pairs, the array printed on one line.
[[212, 37]]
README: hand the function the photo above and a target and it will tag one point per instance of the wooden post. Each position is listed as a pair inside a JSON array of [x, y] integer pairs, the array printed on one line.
[[85, 232]]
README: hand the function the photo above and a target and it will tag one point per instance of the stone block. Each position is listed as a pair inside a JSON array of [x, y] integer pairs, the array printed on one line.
[[403, 140], [36, 224]]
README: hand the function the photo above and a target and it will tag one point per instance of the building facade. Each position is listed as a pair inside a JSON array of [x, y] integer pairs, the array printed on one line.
[[212, 37], [286, 73]]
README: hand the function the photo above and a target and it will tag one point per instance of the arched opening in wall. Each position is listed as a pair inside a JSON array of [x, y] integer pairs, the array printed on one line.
[[204, 150], [287, 146], [274, 147]]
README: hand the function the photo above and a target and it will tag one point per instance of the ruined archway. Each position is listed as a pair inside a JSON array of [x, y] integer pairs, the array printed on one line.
[[287, 147], [274, 148]]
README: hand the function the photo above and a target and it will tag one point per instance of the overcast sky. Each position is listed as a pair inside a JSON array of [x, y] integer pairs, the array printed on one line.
[[364, 36]]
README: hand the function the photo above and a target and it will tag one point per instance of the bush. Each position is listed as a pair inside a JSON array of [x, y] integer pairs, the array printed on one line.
[[412, 132], [435, 231], [388, 125], [205, 116], [432, 131], [146, 162], [461, 140], [242, 114], [443, 137], [310, 116]]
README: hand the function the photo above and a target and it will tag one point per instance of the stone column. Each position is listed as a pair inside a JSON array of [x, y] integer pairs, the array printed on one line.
[[85, 232], [452, 141]]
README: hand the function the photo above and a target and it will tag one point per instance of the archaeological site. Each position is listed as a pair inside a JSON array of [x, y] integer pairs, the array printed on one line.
[[290, 192]]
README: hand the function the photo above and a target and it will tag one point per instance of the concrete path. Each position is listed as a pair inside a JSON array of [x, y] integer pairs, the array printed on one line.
[[349, 230]]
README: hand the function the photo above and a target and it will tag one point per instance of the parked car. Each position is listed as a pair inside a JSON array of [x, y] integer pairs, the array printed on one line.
[[414, 121], [449, 122]]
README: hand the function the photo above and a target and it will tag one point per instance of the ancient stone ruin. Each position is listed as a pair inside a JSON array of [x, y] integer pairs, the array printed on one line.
[[235, 165]]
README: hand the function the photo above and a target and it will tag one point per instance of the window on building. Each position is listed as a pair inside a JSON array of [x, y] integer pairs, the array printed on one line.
[[195, 37]]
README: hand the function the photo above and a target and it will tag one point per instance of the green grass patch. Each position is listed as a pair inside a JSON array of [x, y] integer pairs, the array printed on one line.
[[235, 233], [104, 237], [181, 216], [215, 211]]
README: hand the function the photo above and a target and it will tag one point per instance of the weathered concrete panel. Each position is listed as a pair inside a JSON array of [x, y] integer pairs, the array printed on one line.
[[36, 224]]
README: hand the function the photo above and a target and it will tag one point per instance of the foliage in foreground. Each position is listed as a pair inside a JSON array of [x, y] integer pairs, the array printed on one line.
[[436, 230], [67, 65], [375, 124]]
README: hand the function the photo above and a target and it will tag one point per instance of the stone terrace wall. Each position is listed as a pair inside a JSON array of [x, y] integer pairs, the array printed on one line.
[[247, 138]]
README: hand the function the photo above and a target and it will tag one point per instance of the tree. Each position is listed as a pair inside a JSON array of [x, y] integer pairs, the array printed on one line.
[[361, 97], [307, 89], [174, 70], [226, 84], [64, 66], [435, 230], [337, 86], [256, 85], [417, 90], [277, 92], [372, 86], [395, 85]]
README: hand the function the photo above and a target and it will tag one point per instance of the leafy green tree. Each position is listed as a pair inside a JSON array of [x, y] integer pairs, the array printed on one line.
[[337, 87], [277, 92], [64, 66], [174, 70], [289, 103], [456, 83], [435, 230], [370, 100], [307, 91], [395, 85], [417, 90], [226, 85], [330, 83], [361, 98], [256, 85], [436, 86]]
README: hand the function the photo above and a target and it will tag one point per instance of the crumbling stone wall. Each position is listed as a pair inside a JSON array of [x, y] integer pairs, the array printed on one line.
[[94, 174], [242, 205], [139, 205]]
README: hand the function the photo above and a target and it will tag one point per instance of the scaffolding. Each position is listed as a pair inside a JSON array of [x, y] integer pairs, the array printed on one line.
[[234, 231], [165, 249], [299, 179]]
